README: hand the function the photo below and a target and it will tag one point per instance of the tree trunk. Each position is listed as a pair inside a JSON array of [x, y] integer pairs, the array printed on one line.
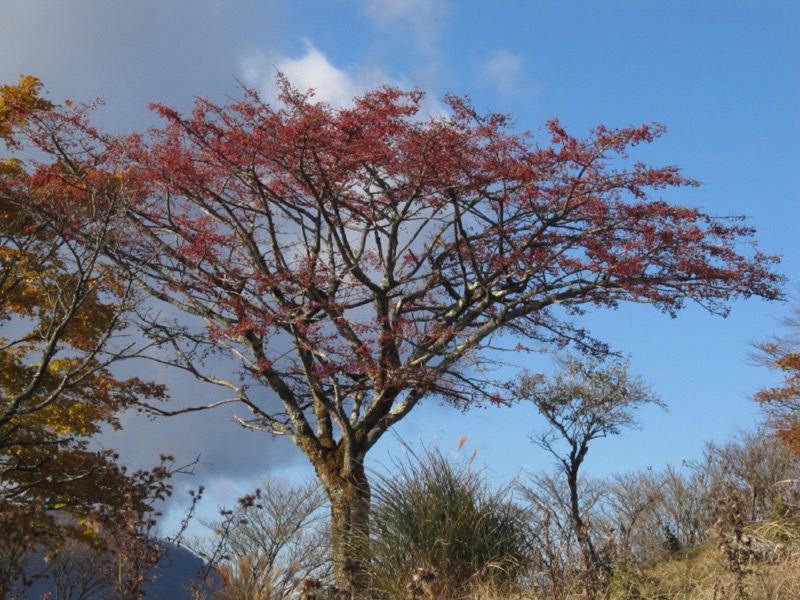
[[348, 492], [591, 562]]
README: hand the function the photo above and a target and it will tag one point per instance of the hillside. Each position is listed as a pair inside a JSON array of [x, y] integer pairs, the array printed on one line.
[[762, 563]]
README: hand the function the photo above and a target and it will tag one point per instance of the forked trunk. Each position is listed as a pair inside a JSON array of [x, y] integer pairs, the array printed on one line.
[[348, 491]]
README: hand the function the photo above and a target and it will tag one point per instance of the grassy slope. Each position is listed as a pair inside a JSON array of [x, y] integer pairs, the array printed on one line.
[[764, 565]]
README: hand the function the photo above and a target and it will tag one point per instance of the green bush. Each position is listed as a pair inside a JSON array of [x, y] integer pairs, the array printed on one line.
[[442, 522]]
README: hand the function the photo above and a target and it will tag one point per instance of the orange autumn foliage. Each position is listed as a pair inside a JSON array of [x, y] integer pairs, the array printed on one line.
[[781, 402]]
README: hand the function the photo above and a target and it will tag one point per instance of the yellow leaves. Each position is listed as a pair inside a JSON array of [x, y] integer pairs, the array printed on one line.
[[11, 166], [80, 409], [77, 418], [25, 94], [13, 371], [62, 314], [18, 102], [20, 292], [36, 284], [58, 308], [74, 398]]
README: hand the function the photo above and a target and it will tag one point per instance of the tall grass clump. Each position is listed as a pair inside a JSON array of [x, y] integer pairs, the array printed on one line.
[[440, 529]]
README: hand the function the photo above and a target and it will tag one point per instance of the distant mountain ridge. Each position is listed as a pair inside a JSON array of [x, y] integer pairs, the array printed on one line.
[[173, 578]]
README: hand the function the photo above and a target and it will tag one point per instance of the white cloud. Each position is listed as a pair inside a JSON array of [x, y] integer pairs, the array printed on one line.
[[332, 84], [504, 70], [312, 70]]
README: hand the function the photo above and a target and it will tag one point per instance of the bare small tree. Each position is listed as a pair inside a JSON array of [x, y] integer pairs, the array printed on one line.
[[584, 400], [557, 558], [752, 464], [272, 542], [633, 508], [79, 571]]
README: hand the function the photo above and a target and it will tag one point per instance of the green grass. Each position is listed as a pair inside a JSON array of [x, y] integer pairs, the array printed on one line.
[[442, 521]]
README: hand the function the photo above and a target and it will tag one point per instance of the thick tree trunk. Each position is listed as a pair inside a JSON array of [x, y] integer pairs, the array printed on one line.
[[348, 491]]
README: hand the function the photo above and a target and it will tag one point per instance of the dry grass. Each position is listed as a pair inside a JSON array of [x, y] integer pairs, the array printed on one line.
[[771, 572], [769, 569], [706, 578]]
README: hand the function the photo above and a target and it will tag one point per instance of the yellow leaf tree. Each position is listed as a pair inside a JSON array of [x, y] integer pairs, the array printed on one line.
[[62, 326]]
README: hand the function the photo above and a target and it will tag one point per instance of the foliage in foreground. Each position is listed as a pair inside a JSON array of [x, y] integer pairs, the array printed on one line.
[[438, 519], [725, 526], [768, 568]]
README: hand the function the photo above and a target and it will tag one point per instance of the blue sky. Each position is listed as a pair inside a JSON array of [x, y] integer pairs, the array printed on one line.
[[723, 76]]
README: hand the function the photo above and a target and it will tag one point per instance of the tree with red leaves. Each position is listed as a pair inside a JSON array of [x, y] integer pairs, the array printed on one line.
[[356, 260]]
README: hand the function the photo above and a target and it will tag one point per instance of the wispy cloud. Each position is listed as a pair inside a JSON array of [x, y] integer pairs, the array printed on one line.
[[415, 29], [504, 71]]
